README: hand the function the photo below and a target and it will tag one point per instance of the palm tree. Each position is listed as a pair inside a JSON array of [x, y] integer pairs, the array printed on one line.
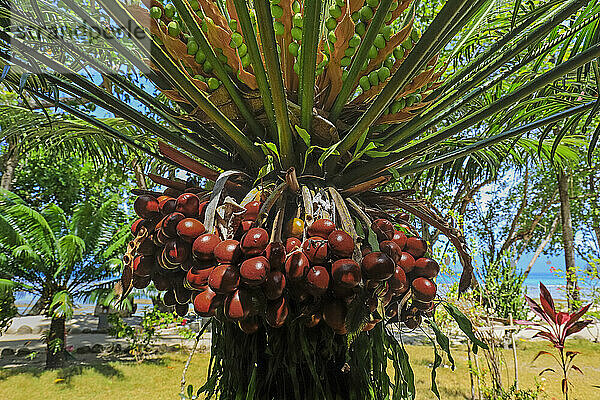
[[334, 99], [59, 258]]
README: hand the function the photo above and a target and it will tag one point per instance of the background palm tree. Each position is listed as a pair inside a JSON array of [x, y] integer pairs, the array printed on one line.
[[60, 258]]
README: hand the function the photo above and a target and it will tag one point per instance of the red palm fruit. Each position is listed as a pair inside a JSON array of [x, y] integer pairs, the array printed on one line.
[[400, 239], [391, 249], [146, 206], [141, 282], [204, 246], [346, 272], [426, 268], [198, 278], [317, 280], [182, 309], [143, 265], [169, 298], [377, 266], [404, 217], [224, 278], [341, 292], [147, 247], [245, 226], [189, 229], [228, 251], [315, 249], [277, 312], [416, 246], [383, 228], [391, 310], [341, 243], [176, 251], [170, 192], [137, 224], [292, 244], [387, 297], [206, 302], [296, 266], [237, 305], [275, 253], [334, 315], [423, 305], [249, 325], [365, 249], [252, 210], [321, 227], [166, 205], [188, 204], [413, 321], [254, 270], [254, 242], [274, 285], [202, 210], [407, 262], [423, 289], [313, 320], [169, 224], [398, 282], [161, 282]]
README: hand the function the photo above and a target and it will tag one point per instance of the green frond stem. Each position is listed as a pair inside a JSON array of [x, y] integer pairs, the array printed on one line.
[[256, 61], [540, 32], [308, 61], [272, 64], [359, 59], [189, 18], [432, 37], [400, 157]]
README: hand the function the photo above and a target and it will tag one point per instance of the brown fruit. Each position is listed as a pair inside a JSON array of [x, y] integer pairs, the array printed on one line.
[[146, 206], [400, 239], [237, 305], [254, 270], [423, 289], [334, 315], [317, 280], [426, 268], [321, 227], [249, 325], [143, 266], [147, 247], [198, 278], [277, 312], [202, 210], [383, 228], [407, 262], [313, 320], [341, 292], [413, 321], [369, 325], [169, 298], [166, 205], [315, 249], [176, 251], [274, 285], [182, 309], [341, 243], [182, 293], [275, 253], [292, 244], [346, 273], [228, 251], [206, 302], [416, 246], [252, 210], [377, 266], [141, 282], [365, 249], [255, 241], [391, 249], [204, 246], [296, 266], [391, 310], [423, 305], [161, 282], [245, 226], [188, 204], [404, 217], [169, 224], [398, 282], [224, 279], [189, 229]]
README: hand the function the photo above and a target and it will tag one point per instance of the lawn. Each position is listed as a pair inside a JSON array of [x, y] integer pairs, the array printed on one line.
[[159, 379]]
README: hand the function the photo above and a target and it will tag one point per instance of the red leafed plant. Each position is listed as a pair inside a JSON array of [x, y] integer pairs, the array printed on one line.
[[556, 327]]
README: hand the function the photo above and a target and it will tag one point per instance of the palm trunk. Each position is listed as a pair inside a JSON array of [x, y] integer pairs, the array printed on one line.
[[55, 346], [568, 239], [9, 165]]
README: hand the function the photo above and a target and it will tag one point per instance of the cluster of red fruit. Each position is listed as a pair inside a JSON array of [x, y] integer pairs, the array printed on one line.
[[313, 274]]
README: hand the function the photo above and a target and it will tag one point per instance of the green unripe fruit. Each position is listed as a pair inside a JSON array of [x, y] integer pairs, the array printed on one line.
[[344, 75], [415, 35], [331, 23], [335, 12], [298, 21], [379, 41], [345, 61], [393, 6], [293, 48], [388, 17], [200, 57], [355, 16], [373, 78], [296, 7], [386, 111], [340, 3], [386, 31], [207, 67], [364, 83], [173, 29], [233, 25], [155, 12], [395, 107], [373, 52], [276, 11], [237, 39], [297, 33], [399, 53], [278, 28], [204, 26], [332, 38], [242, 50], [410, 100], [360, 29], [383, 73], [372, 3], [354, 41], [364, 66], [350, 51], [417, 98], [366, 13], [200, 78], [245, 60], [192, 47], [389, 62], [407, 44], [170, 11], [222, 57], [402, 103], [297, 68], [213, 83]]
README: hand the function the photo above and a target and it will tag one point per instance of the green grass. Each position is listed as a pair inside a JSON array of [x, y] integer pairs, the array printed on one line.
[[159, 379]]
